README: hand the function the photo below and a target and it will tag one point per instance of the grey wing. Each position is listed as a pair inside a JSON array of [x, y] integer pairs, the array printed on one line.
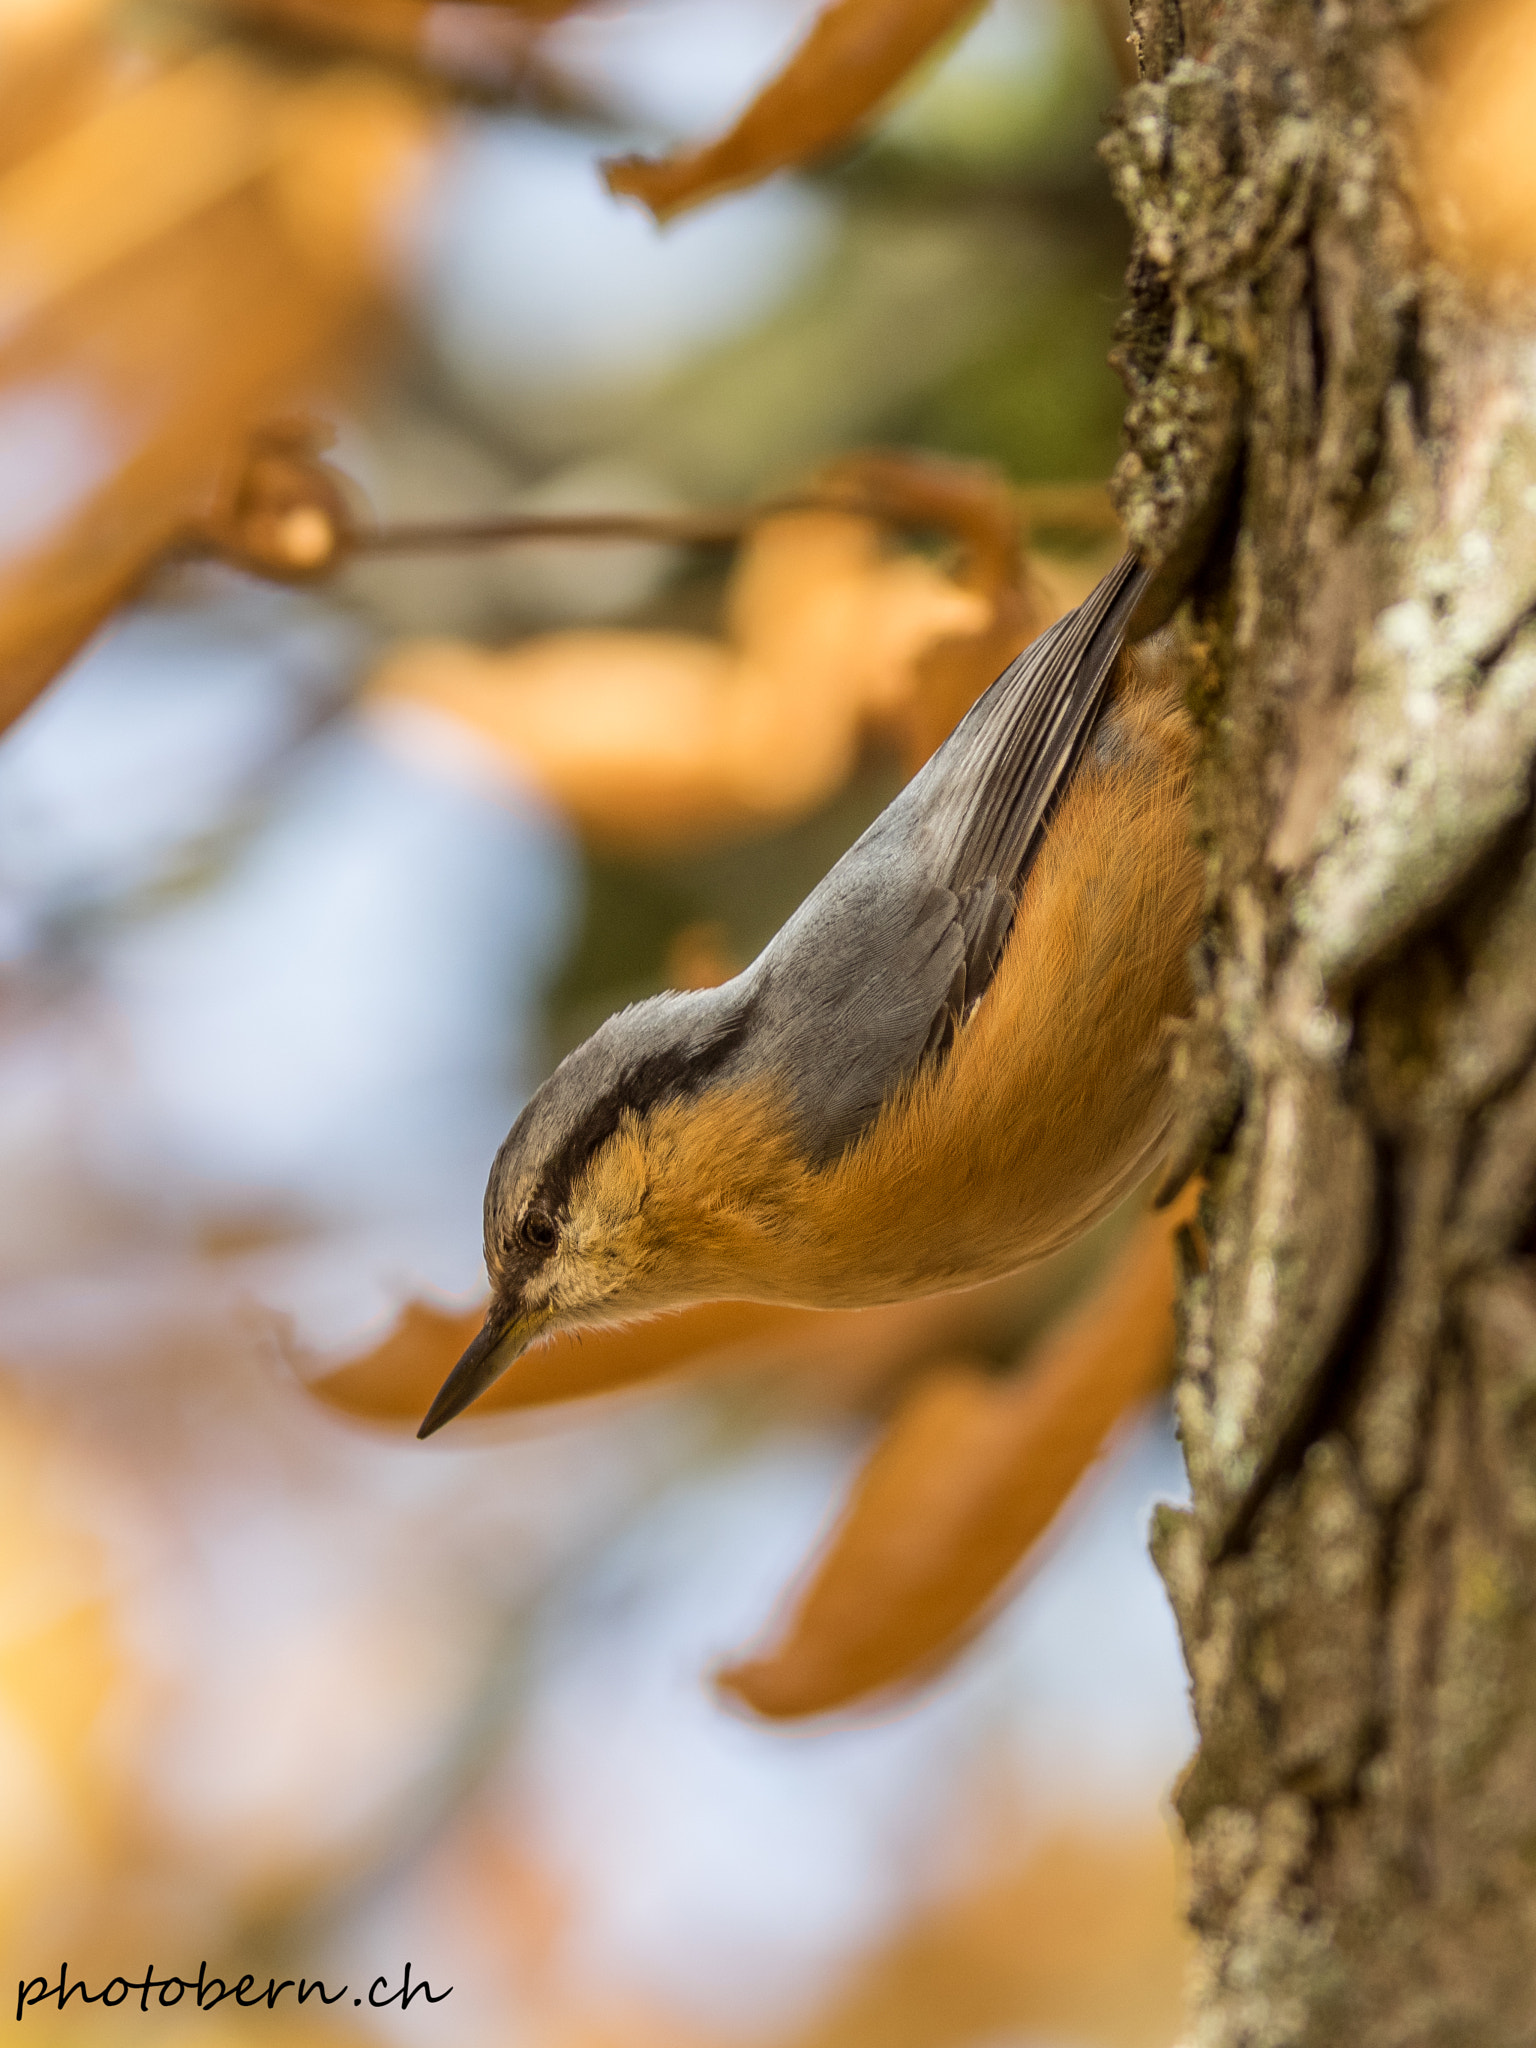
[[875, 970], [983, 798]]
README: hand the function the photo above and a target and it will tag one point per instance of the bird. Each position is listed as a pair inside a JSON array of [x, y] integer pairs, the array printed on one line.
[[950, 1061]]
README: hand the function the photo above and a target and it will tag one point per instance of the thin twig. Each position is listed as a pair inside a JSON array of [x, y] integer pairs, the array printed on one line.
[[1076, 505], [689, 529]]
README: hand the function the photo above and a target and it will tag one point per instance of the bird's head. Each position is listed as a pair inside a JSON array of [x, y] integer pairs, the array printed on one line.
[[600, 1201]]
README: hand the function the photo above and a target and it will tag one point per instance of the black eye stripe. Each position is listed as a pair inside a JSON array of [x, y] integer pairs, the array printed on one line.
[[657, 1078]]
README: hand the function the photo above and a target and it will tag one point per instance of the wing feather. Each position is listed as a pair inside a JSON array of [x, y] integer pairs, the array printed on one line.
[[986, 793], [879, 965]]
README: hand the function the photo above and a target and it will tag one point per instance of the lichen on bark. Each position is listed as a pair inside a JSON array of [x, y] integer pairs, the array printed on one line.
[[1331, 446]]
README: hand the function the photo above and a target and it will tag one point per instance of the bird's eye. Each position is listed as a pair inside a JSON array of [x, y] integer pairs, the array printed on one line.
[[537, 1230]]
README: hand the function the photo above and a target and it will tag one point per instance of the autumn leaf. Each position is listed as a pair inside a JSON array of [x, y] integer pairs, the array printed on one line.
[[1082, 1940], [178, 266], [669, 740], [1478, 157], [55, 66], [418, 33], [64, 1666], [857, 52], [966, 1480], [975, 504], [665, 741], [232, 333], [146, 162], [398, 1377], [395, 1379]]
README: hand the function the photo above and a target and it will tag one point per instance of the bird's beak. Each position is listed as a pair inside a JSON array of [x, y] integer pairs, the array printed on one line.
[[507, 1332]]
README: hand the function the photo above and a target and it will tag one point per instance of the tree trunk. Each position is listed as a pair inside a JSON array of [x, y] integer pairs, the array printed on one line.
[[1340, 438]]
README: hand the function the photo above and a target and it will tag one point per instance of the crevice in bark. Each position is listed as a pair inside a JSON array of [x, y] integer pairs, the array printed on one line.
[[1411, 371]]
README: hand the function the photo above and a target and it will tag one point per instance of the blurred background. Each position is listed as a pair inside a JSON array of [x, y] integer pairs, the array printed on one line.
[[294, 910]]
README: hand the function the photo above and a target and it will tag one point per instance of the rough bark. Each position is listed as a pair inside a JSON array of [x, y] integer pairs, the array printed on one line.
[[1342, 436]]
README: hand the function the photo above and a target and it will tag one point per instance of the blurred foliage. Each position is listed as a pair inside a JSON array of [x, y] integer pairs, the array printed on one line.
[[1478, 160], [1096, 1965], [661, 741], [856, 53], [1027, 104], [267, 1674], [1041, 398]]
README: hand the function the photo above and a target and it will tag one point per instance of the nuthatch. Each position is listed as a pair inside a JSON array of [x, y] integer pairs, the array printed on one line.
[[950, 1061]]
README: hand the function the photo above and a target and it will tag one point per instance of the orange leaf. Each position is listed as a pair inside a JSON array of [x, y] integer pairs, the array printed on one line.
[[419, 33], [378, 28], [654, 740], [163, 324], [669, 740], [170, 363], [968, 1477], [974, 502], [55, 64], [1082, 1941], [144, 164], [395, 1379], [1479, 144], [857, 52]]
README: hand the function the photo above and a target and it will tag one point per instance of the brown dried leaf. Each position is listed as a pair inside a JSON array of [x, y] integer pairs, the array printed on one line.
[[857, 52], [397, 1379], [968, 1477], [55, 66], [202, 336], [394, 1380], [60, 1660], [1479, 144], [976, 504], [470, 35], [167, 322], [1083, 1941], [143, 165], [390, 29], [655, 740]]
